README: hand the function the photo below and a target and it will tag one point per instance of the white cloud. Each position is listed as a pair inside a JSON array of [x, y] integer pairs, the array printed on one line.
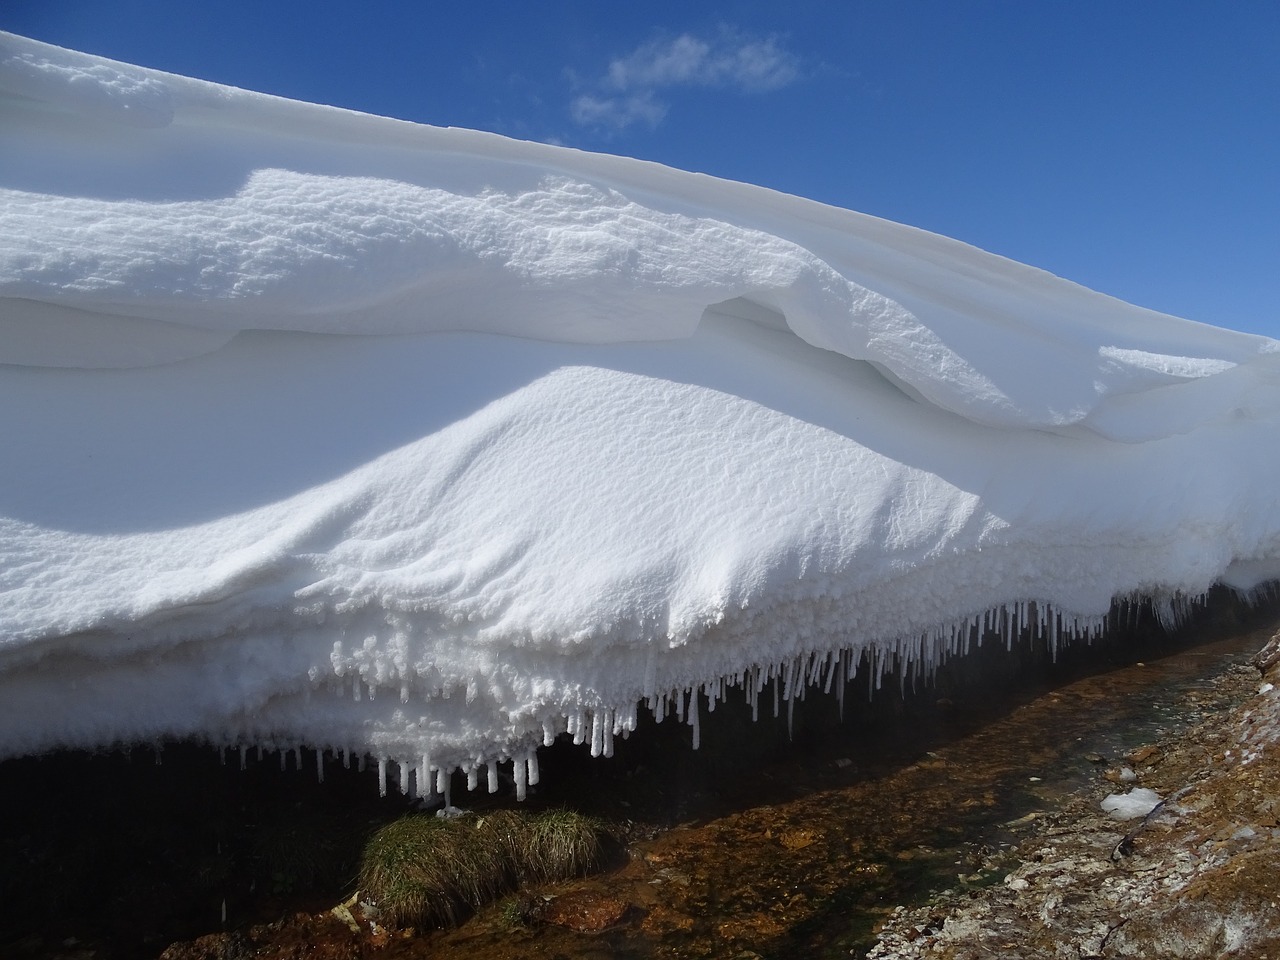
[[731, 61], [617, 113], [626, 94]]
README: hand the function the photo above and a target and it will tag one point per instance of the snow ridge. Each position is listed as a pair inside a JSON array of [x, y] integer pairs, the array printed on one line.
[[336, 431]]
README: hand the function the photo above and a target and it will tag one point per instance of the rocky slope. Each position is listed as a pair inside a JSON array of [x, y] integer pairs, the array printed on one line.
[[1196, 878]]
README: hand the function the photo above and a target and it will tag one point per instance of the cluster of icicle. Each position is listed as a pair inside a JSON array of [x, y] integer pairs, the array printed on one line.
[[913, 659]]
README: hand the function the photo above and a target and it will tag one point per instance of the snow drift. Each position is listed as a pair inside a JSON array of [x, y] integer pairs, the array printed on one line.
[[332, 430]]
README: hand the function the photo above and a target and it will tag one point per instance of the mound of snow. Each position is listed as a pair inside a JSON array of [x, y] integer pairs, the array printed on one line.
[[1138, 802], [328, 429]]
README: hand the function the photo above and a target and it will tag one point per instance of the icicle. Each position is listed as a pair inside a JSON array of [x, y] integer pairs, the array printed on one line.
[[346, 758], [694, 720], [493, 776], [521, 771], [777, 684], [355, 688], [659, 709], [222, 755], [382, 776], [535, 774], [361, 763], [320, 766], [679, 706], [597, 734], [259, 753], [284, 760], [608, 738], [244, 751], [297, 757], [442, 782], [548, 733], [789, 690], [840, 696], [423, 776], [473, 778], [791, 713], [404, 692]]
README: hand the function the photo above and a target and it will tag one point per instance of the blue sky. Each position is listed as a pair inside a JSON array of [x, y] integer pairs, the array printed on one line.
[[1130, 145]]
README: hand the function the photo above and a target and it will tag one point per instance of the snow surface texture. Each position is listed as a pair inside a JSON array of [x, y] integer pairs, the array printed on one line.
[[332, 430]]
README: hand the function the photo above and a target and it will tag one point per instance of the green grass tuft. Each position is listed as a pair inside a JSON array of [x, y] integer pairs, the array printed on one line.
[[561, 844], [421, 870]]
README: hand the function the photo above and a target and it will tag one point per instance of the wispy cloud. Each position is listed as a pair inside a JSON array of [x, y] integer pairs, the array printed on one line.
[[628, 92], [618, 113]]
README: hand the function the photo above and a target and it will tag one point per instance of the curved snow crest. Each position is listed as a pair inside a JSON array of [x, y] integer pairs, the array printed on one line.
[[85, 87], [283, 226], [333, 430]]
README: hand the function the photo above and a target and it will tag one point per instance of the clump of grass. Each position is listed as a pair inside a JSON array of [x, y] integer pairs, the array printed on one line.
[[506, 831], [561, 844], [423, 870]]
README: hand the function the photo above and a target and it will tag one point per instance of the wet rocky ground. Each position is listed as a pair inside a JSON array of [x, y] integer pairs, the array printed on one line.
[[1199, 876], [958, 820]]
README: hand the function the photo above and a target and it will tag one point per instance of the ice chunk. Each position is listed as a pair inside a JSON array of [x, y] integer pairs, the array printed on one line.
[[1138, 802]]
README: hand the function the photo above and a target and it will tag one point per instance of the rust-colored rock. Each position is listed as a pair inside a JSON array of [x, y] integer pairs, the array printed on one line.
[[312, 938], [586, 912], [1146, 756], [214, 946]]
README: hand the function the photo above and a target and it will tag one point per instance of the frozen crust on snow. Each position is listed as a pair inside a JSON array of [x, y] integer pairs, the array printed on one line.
[[334, 430]]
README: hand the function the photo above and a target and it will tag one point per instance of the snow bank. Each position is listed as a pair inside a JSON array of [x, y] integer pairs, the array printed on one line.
[[329, 429]]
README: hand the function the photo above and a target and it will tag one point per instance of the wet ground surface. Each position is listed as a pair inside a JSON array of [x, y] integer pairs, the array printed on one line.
[[1195, 877], [759, 845]]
